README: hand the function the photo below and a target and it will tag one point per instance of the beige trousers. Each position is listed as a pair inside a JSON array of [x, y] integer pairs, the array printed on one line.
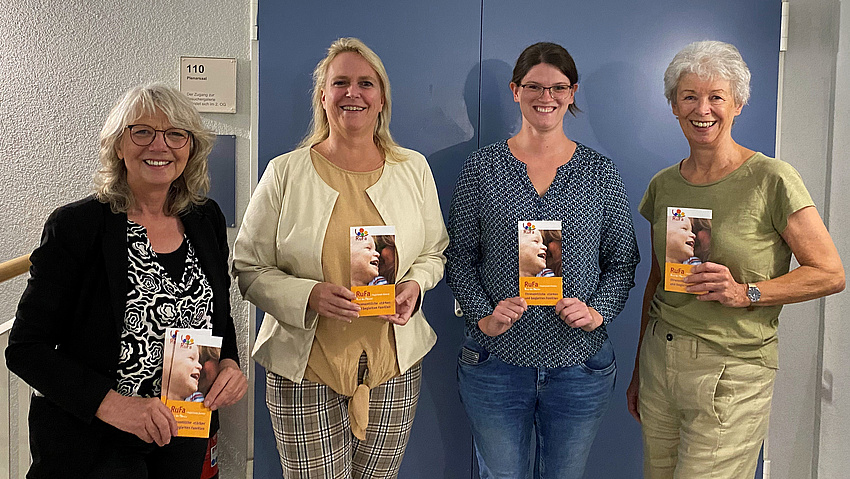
[[704, 414]]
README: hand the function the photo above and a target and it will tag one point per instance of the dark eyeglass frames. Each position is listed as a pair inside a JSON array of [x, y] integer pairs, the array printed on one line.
[[143, 135], [558, 92]]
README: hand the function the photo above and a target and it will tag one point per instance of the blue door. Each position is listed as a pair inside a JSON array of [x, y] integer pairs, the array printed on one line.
[[449, 64]]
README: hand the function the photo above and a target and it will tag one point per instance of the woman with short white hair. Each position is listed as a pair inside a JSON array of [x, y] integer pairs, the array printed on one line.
[[703, 378]]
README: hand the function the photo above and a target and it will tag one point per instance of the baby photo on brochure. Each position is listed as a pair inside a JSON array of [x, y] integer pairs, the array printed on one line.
[[190, 360], [540, 265], [688, 243], [373, 269]]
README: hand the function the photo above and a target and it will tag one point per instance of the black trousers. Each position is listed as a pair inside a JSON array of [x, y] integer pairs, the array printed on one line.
[[128, 457], [64, 446]]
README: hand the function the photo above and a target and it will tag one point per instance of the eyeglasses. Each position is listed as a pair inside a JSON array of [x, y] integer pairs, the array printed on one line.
[[558, 92], [143, 135]]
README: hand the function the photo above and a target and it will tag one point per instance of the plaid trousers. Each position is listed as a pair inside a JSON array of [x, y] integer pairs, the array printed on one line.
[[313, 433]]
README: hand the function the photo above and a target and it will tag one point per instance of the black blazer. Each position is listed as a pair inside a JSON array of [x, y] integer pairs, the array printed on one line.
[[65, 340]]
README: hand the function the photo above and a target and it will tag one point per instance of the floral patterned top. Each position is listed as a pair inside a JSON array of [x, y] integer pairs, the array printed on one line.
[[156, 301]]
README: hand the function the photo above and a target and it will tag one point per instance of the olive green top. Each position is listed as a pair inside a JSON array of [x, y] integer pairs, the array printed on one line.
[[750, 210]]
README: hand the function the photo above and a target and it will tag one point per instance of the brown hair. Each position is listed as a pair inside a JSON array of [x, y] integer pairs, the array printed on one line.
[[550, 54]]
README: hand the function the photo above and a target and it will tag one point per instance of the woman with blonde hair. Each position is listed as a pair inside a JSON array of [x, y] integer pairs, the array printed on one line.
[[342, 388]]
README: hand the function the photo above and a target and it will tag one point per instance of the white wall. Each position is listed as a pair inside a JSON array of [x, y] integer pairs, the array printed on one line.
[[810, 424], [63, 64], [834, 460]]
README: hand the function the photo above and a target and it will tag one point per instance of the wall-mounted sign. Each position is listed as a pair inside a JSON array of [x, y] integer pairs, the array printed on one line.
[[210, 83]]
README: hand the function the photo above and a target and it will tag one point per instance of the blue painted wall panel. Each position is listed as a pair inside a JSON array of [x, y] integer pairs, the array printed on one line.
[[621, 50], [449, 64], [429, 50]]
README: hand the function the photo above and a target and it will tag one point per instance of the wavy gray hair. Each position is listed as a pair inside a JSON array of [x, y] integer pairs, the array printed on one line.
[[111, 179]]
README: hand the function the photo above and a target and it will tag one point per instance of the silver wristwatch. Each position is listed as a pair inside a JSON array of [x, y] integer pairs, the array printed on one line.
[[753, 293]]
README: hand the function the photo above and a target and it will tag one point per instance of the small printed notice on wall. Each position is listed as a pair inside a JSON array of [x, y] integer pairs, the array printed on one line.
[[210, 83]]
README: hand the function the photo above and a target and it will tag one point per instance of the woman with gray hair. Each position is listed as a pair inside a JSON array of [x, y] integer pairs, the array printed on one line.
[[707, 358], [148, 251], [341, 386]]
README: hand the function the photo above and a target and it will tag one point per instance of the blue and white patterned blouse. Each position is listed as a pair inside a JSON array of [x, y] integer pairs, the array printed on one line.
[[599, 250]]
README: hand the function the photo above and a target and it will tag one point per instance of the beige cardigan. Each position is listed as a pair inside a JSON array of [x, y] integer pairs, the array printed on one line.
[[277, 255]]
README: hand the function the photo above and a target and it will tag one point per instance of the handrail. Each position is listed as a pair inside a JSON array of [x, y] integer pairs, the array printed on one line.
[[14, 267], [7, 326]]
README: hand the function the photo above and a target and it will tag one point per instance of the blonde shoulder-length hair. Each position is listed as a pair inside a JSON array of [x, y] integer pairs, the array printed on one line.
[[145, 100], [319, 126]]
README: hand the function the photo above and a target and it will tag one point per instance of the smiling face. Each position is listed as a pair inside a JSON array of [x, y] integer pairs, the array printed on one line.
[[154, 166], [532, 254], [706, 109], [352, 95], [181, 379], [209, 359], [542, 112], [364, 261], [680, 240]]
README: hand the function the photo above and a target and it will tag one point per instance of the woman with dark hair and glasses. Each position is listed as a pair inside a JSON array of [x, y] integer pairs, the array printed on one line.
[[147, 252], [539, 370]]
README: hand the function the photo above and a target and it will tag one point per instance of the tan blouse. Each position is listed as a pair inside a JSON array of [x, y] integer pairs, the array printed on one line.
[[338, 346]]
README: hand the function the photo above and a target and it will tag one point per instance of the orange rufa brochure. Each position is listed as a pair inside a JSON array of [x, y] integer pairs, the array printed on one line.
[[540, 265], [688, 243], [190, 360], [373, 269]]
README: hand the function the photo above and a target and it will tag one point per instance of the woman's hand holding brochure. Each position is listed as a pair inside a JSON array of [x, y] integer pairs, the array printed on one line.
[[505, 314]]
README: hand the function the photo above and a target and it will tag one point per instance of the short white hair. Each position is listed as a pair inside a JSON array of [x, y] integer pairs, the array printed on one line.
[[709, 60]]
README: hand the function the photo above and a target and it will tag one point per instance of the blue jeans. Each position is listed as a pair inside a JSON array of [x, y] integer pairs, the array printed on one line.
[[506, 404]]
